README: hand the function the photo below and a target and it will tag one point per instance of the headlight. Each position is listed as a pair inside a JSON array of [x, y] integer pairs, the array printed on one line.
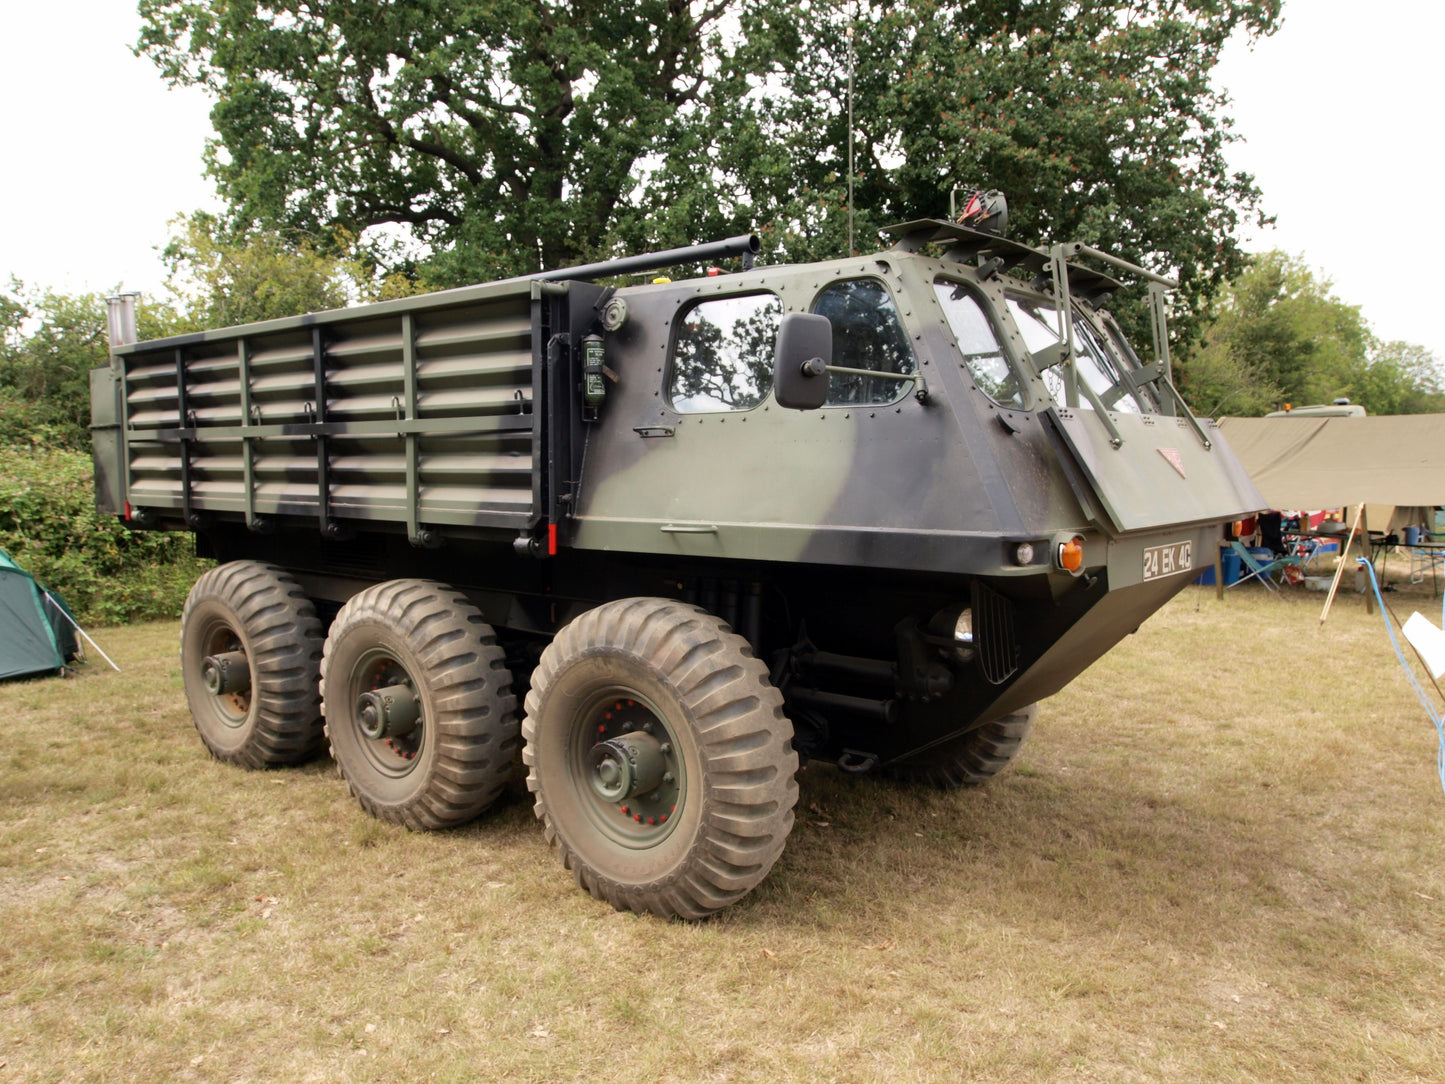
[[963, 636]]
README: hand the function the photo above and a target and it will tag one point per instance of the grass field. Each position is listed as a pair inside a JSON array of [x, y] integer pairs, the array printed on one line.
[[1221, 857]]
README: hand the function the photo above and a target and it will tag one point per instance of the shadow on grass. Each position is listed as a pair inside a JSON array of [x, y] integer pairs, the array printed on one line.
[[1064, 856]]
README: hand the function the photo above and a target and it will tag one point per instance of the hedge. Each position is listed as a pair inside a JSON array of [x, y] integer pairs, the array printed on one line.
[[106, 572]]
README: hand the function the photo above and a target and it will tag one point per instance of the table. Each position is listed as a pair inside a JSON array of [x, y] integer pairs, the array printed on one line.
[[1380, 544]]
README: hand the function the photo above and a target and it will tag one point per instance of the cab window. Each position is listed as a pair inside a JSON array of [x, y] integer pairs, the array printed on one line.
[[867, 334], [722, 354], [979, 344]]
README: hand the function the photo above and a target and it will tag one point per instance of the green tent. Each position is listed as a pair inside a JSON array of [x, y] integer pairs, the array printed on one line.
[[36, 635]]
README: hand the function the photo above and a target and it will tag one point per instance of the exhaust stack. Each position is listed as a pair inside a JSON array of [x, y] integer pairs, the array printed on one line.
[[120, 319]]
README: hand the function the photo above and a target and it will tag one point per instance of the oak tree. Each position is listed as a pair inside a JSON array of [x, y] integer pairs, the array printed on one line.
[[493, 137]]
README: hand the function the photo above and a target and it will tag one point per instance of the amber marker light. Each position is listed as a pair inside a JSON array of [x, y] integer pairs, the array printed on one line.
[[1071, 554]]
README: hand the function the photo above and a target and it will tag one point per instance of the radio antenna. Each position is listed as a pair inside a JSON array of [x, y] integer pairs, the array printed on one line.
[[851, 250]]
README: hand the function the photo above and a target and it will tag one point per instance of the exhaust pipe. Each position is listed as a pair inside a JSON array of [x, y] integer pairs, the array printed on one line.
[[120, 319]]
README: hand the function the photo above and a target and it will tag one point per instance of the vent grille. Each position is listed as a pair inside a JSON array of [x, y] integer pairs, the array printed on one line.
[[993, 634]]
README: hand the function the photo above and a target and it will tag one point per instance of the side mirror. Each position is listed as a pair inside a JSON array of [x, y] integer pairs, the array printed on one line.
[[801, 360]]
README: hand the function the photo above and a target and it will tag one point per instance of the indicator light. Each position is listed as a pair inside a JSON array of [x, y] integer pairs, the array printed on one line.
[[1071, 554]]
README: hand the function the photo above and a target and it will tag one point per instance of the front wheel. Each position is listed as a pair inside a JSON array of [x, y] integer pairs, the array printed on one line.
[[971, 759], [660, 758]]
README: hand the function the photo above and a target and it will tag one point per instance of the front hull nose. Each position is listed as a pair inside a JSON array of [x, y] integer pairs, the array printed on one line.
[[1133, 585]]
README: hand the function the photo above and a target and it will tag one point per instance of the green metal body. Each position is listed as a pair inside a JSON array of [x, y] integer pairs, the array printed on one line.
[[469, 436]]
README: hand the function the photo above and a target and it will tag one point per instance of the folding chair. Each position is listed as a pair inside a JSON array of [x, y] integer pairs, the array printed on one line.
[[1428, 556], [1318, 547], [1271, 532], [1267, 571]]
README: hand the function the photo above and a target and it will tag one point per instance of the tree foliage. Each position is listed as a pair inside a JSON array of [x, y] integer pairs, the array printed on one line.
[[50, 343], [106, 572], [508, 132], [1098, 120], [508, 135], [220, 277], [1400, 378], [1281, 336]]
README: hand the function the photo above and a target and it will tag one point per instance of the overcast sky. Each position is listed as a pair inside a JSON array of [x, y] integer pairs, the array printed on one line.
[[1334, 109]]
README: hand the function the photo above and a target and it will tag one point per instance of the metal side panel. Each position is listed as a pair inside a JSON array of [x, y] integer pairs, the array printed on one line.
[[1160, 475], [417, 413]]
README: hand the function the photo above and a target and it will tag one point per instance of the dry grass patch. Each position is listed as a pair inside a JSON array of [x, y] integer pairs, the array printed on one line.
[[1219, 858]]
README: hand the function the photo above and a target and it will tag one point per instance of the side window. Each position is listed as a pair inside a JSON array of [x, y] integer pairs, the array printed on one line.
[[978, 342], [722, 354], [867, 334]]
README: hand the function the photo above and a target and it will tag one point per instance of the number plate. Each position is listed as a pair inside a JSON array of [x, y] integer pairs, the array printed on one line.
[[1167, 560]]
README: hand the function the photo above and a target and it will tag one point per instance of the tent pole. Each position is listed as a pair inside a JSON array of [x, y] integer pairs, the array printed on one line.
[[1344, 560], [80, 630]]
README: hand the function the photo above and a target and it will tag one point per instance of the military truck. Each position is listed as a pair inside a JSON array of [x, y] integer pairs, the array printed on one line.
[[868, 511]]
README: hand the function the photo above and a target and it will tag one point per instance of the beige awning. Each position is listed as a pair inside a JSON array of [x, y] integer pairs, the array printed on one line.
[[1331, 462]]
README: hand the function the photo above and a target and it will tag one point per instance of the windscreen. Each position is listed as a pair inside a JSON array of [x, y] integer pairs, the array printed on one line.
[[1098, 365]]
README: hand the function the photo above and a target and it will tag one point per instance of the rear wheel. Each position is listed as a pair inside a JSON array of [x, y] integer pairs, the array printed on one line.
[[418, 704], [660, 758], [971, 759], [250, 652]]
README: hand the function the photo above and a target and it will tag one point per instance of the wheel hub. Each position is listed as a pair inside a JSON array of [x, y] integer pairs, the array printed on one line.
[[390, 712], [387, 712], [628, 769], [226, 673], [626, 765]]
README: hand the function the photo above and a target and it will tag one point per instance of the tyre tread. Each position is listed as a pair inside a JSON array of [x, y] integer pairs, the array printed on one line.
[[285, 655], [475, 732], [743, 736], [971, 759]]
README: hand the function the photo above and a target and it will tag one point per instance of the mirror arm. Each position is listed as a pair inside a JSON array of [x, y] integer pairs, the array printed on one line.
[[872, 372], [920, 391]]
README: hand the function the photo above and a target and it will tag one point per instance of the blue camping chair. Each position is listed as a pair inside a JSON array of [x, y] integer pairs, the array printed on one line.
[[1427, 557], [1270, 573]]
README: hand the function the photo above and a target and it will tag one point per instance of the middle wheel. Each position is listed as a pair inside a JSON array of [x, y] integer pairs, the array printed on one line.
[[418, 704], [660, 757]]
